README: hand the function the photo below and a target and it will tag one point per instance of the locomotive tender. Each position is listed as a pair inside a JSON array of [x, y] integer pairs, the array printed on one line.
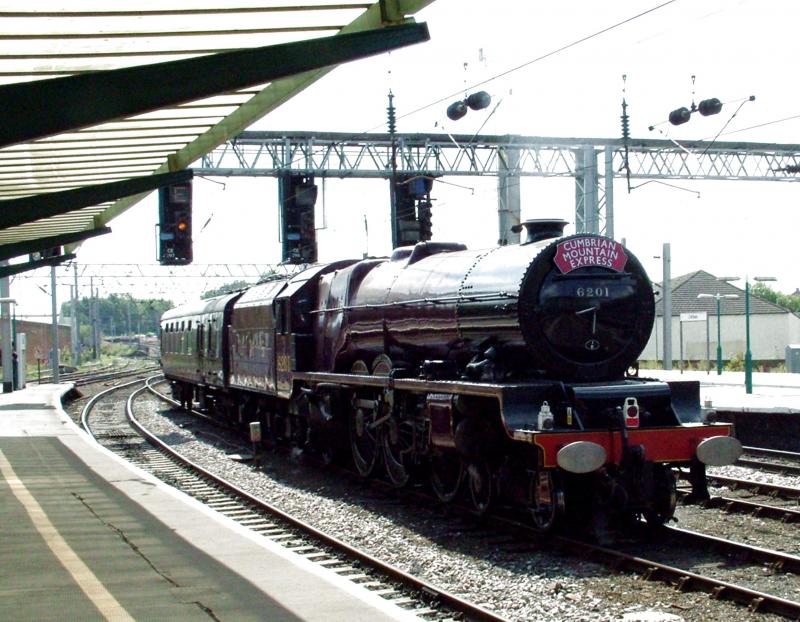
[[508, 372]]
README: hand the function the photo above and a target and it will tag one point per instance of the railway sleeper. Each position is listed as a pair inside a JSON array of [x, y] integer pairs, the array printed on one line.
[[385, 591], [755, 603], [683, 584], [329, 563]]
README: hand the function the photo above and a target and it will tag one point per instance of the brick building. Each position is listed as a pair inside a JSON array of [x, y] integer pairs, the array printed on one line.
[[38, 338]]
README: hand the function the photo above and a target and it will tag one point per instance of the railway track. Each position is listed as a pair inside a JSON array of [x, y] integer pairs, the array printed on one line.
[[509, 534], [685, 580], [771, 460], [101, 374], [680, 578], [773, 492], [754, 508], [124, 434], [782, 463], [759, 488], [71, 376], [650, 569], [772, 453]]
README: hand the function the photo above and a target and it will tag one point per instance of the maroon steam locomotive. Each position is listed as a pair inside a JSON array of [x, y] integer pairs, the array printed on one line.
[[508, 373]]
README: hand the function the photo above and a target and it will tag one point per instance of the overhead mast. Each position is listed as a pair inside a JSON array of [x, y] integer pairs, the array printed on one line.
[[392, 122]]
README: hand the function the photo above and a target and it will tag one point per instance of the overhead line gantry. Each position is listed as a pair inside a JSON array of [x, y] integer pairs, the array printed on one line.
[[592, 162]]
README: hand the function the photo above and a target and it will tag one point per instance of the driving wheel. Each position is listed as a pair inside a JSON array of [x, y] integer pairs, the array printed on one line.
[[365, 443], [447, 473], [479, 476], [397, 444], [546, 501]]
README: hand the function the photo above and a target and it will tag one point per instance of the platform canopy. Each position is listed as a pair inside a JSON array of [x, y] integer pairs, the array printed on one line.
[[104, 102]]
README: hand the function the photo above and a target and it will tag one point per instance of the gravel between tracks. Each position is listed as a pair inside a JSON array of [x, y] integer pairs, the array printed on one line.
[[519, 586]]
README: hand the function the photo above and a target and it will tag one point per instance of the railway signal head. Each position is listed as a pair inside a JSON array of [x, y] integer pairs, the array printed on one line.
[[175, 224], [425, 220]]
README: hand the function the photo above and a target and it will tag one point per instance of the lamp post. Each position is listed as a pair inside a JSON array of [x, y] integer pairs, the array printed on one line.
[[748, 357], [718, 297]]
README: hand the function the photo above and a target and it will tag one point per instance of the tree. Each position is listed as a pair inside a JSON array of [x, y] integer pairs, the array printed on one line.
[[235, 286], [120, 314], [227, 288], [765, 292]]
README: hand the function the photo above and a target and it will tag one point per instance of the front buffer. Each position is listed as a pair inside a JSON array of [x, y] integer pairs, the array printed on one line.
[[610, 447]]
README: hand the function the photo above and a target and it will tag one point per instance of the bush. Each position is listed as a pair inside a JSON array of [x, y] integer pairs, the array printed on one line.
[[736, 363], [117, 349]]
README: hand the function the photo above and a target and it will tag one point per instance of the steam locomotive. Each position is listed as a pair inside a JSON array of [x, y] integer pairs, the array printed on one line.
[[507, 375]]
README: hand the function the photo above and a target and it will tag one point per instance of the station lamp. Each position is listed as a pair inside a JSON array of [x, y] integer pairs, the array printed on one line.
[[748, 356], [718, 297]]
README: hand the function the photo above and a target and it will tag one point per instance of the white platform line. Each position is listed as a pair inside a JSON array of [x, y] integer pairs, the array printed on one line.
[[106, 604]]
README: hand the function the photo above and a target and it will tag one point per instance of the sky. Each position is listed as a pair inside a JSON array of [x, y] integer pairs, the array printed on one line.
[[734, 48]]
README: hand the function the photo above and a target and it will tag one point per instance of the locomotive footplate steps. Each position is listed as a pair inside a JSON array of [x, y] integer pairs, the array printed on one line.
[[84, 536]]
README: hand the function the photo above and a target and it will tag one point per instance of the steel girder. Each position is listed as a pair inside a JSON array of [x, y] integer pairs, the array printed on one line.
[[339, 154]]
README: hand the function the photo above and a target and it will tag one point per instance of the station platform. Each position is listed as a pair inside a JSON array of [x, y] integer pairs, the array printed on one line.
[[772, 392], [86, 536]]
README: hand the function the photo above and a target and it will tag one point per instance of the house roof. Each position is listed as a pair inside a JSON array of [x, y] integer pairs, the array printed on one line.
[[686, 288]]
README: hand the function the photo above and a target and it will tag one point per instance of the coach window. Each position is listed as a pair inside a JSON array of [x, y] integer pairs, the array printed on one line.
[[212, 339]]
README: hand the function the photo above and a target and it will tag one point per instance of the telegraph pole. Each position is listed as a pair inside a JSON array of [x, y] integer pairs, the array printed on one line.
[[393, 178], [93, 317], [97, 324], [76, 330], [54, 334]]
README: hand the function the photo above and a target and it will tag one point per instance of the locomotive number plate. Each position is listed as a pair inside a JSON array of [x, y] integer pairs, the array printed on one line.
[[592, 292]]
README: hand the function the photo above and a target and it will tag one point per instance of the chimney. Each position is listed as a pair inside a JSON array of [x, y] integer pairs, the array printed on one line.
[[539, 229]]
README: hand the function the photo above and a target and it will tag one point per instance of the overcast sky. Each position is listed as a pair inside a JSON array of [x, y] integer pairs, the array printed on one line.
[[735, 48]]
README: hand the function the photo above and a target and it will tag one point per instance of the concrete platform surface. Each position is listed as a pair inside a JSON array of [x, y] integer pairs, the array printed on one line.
[[86, 536], [771, 392]]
